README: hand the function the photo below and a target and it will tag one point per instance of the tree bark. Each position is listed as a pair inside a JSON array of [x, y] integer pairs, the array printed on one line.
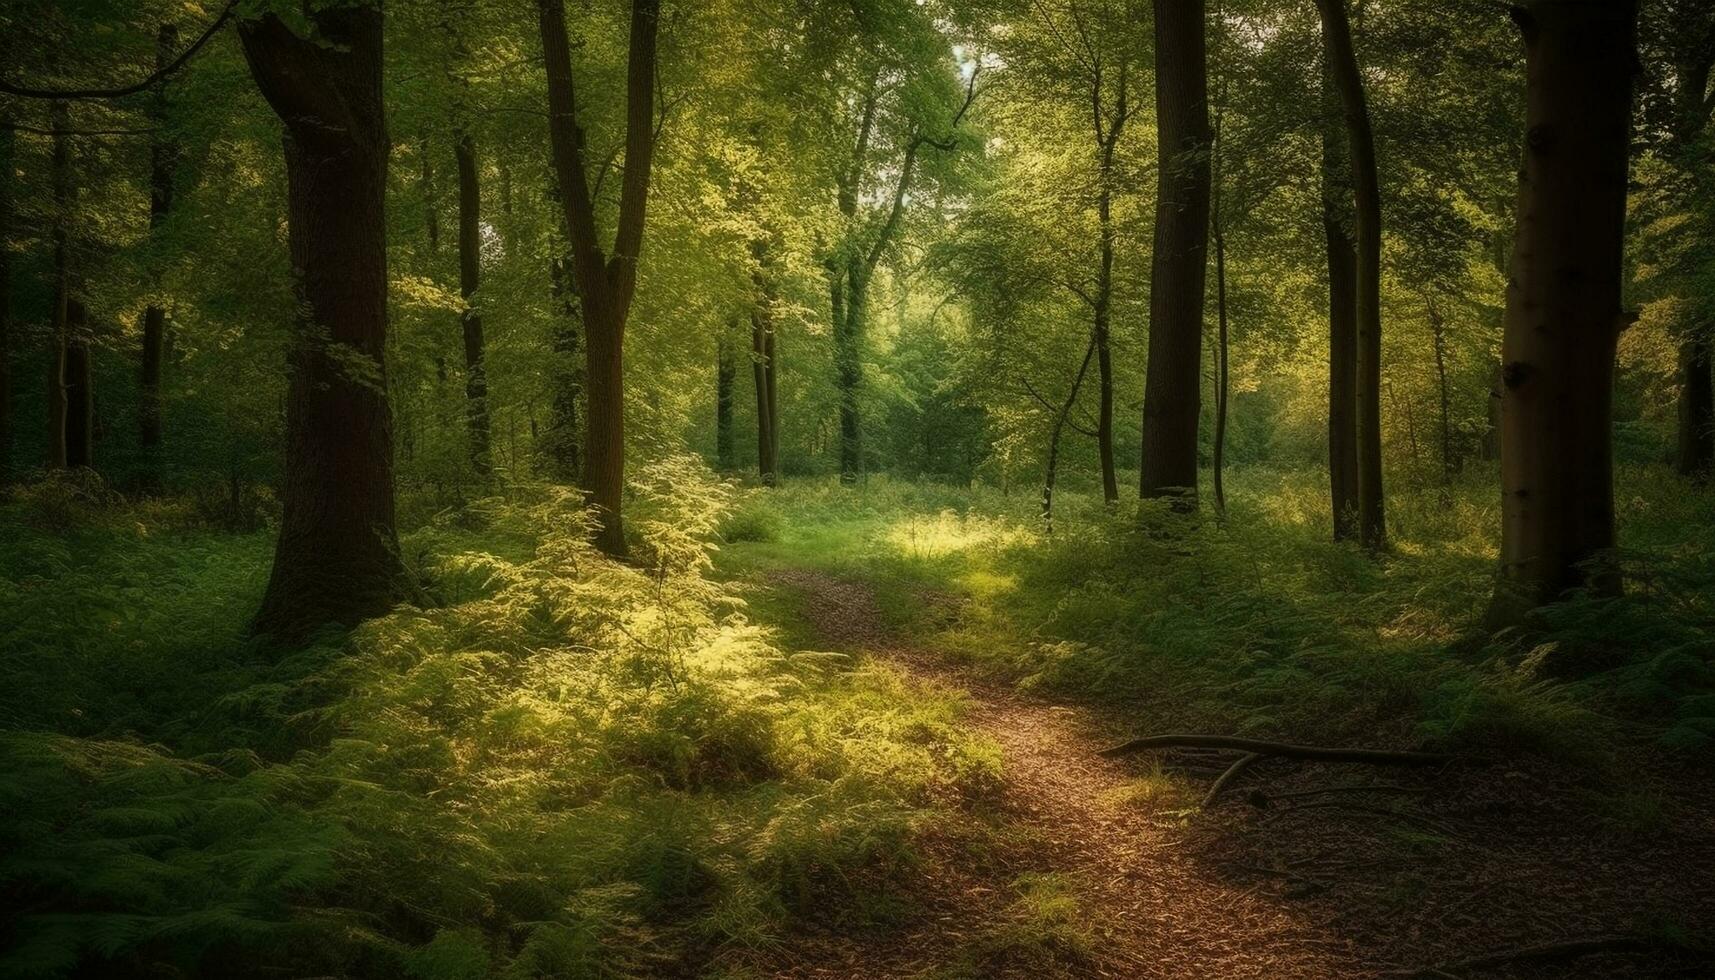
[[59, 448], [1342, 259], [1696, 456], [562, 445], [1107, 141], [1563, 312], [1438, 332], [162, 156], [725, 372], [763, 369], [8, 144], [470, 280], [605, 284], [1173, 388], [1342, 62], [337, 558]]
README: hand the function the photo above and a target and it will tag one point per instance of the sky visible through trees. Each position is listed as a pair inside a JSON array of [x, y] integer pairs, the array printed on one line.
[[932, 488]]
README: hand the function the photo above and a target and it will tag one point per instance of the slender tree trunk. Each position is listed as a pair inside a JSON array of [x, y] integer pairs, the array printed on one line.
[[1438, 331], [79, 389], [470, 280], [1696, 457], [59, 449], [725, 372], [1104, 306], [162, 156], [8, 143], [1221, 352], [1173, 387], [563, 442], [605, 284], [1349, 82], [1563, 312], [1054, 434], [1342, 326], [848, 346], [763, 369], [337, 558]]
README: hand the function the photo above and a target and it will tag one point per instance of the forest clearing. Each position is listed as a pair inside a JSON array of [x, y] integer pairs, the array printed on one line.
[[933, 489]]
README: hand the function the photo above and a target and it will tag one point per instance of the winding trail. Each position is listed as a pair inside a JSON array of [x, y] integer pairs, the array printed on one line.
[[1155, 912]]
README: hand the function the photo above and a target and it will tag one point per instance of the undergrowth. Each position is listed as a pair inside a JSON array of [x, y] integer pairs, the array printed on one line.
[[1258, 624], [564, 767]]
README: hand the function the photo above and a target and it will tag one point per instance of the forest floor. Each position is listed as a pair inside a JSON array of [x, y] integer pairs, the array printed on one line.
[[1081, 866]]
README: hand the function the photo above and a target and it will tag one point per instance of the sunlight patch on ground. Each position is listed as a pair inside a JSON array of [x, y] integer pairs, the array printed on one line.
[[948, 532]]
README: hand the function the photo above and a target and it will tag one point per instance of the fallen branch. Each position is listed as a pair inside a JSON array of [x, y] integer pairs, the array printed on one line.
[[1546, 953], [1285, 750], [1233, 771]]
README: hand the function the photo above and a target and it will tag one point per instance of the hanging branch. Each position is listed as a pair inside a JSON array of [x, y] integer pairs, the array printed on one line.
[[114, 93]]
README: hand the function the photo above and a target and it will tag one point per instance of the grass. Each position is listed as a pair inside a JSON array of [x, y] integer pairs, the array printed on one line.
[[562, 766]]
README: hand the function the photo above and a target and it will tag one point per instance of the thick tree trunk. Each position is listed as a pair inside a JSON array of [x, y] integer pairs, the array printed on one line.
[[605, 284], [337, 559], [1696, 457], [1342, 259], [470, 280], [1563, 312], [1342, 62], [1173, 388], [162, 156], [725, 373]]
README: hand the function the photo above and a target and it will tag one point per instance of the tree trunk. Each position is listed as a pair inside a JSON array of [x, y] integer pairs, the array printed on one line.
[[470, 280], [1438, 331], [162, 156], [1563, 312], [762, 369], [605, 285], [1342, 62], [337, 558], [1696, 457], [1173, 387], [562, 445], [59, 450], [1221, 351], [78, 388], [1342, 327], [849, 311], [1053, 467], [725, 372], [1103, 317], [8, 144]]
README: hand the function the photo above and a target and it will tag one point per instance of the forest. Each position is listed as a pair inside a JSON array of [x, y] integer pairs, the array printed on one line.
[[937, 489]]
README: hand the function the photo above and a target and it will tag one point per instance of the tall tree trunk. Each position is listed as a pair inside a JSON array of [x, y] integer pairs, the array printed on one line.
[[1221, 352], [1342, 324], [8, 144], [725, 372], [1103, 317], [1342, 62], [1563, 312], [562, 445], [605, 284], [337, 558], [850, 310], [762, 369], [59, 451], [79, 388], [1696, 457], [1173, 388], [470, 280], [162, 156], [1438, 332]]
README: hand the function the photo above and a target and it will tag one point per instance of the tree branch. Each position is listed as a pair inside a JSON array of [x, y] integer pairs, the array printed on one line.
[[124, 90]]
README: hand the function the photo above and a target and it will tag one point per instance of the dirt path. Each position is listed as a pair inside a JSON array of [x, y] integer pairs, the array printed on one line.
[[1155, 912]]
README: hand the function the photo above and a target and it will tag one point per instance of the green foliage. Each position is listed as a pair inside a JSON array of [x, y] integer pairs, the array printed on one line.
[[569, 767]]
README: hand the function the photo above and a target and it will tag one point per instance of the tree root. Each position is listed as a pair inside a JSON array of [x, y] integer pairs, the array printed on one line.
[[1233, 771], [1285, 750], [1545, 953]]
